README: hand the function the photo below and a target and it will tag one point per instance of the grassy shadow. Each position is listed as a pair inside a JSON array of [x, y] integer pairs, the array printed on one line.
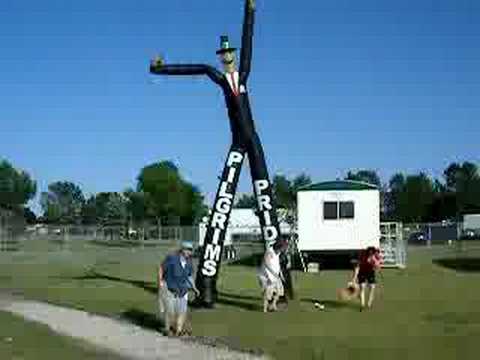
[[10, 242], [224, 298], [459, 264], [10, 245], [10, 249], [237, 296], [239, 304]]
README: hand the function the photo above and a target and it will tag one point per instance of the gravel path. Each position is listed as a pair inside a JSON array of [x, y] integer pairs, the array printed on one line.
[[125, 339]]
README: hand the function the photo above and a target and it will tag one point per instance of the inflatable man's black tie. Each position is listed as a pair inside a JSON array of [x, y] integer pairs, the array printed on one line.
[[245, 140]]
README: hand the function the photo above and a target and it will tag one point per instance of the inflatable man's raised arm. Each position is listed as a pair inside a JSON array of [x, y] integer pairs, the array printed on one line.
[[247, 36]]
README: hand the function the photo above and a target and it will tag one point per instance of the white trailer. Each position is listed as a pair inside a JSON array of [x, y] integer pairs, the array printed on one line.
[[338, 217], [471, 221]]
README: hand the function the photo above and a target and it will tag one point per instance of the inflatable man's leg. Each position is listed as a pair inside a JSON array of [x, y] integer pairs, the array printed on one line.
[[212, 250], [267, 210]]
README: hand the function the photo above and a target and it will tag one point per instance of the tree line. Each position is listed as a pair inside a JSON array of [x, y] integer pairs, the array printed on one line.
[[162, 195], [405, 197]]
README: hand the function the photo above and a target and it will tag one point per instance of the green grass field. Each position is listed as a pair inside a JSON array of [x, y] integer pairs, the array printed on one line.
[[20, 340], [428, 311]]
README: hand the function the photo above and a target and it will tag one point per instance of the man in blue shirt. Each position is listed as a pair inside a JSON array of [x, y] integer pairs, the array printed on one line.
[[174, 282]]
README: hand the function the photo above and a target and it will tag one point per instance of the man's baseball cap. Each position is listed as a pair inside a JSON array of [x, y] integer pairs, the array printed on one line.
[[187, 245]]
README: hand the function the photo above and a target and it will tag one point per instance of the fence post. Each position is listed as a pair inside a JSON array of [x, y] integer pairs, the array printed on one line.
[[429, 236]]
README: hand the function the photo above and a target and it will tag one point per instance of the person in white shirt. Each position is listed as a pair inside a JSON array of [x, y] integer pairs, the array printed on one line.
[[271, 278]]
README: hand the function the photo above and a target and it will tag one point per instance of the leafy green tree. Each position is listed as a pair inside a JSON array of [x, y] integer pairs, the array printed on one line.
[[371, 177], [89, 211], [246, 201], [368, 176], [420, 194], [16, 186], [455, 174], [136, 205], [193, 207], [412, 197], [115, 209], [107, 208], [63, 202], [464, 180], [392, 199], [169, 198], [285, 193], [285, 190], [461, 192]]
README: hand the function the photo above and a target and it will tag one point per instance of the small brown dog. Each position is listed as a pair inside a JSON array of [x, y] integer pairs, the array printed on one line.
[[271, 295], [349, 293]]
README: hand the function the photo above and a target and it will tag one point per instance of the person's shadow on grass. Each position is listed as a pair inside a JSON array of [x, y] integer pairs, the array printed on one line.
[[245, 302], [224, 298], [238, 303], [148, 286], [143, 319]]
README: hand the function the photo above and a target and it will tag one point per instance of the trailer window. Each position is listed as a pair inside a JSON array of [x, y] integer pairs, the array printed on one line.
[[330, 210], [347, 210]]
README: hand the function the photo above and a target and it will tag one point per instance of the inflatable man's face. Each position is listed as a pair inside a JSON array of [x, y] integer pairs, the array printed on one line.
[[228, 60]]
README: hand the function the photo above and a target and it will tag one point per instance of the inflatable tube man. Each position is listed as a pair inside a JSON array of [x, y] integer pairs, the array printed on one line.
[[245, 140]]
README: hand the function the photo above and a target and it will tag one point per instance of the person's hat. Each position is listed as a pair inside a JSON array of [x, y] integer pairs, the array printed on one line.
[[225, 45], [187, 245]]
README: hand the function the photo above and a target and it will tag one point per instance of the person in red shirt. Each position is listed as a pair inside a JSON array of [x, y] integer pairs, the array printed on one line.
[[364, 273]]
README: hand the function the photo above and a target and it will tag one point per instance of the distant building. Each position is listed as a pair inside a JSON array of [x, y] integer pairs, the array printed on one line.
[[243, 226]]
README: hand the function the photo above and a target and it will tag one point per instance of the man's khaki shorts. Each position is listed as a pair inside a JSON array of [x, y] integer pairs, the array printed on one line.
[[170, 303]]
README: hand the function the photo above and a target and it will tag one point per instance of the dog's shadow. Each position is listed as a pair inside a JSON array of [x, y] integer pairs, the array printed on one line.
[[332, 304]]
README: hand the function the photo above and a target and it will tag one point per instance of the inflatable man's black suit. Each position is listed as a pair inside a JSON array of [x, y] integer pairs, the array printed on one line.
[[245, 140]]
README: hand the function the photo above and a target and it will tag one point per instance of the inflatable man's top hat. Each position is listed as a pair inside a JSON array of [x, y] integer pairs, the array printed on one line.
[[225, 45]]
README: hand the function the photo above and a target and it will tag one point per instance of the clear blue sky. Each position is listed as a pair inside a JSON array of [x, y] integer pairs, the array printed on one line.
[[335, 85]]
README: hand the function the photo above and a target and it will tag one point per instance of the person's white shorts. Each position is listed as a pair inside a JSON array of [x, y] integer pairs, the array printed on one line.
[[270, 287]]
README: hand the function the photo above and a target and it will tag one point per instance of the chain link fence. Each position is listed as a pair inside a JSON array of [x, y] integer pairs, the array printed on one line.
[[111, 236], [428, 234], [79, 239]]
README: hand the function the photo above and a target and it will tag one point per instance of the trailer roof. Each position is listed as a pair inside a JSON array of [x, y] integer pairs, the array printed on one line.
[[341, 185]]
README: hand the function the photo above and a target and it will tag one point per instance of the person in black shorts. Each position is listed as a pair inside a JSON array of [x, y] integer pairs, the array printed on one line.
[[364, 273]]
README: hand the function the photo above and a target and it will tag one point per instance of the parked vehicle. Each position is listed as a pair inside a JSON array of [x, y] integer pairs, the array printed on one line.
[[417, 237], [469, 234]]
